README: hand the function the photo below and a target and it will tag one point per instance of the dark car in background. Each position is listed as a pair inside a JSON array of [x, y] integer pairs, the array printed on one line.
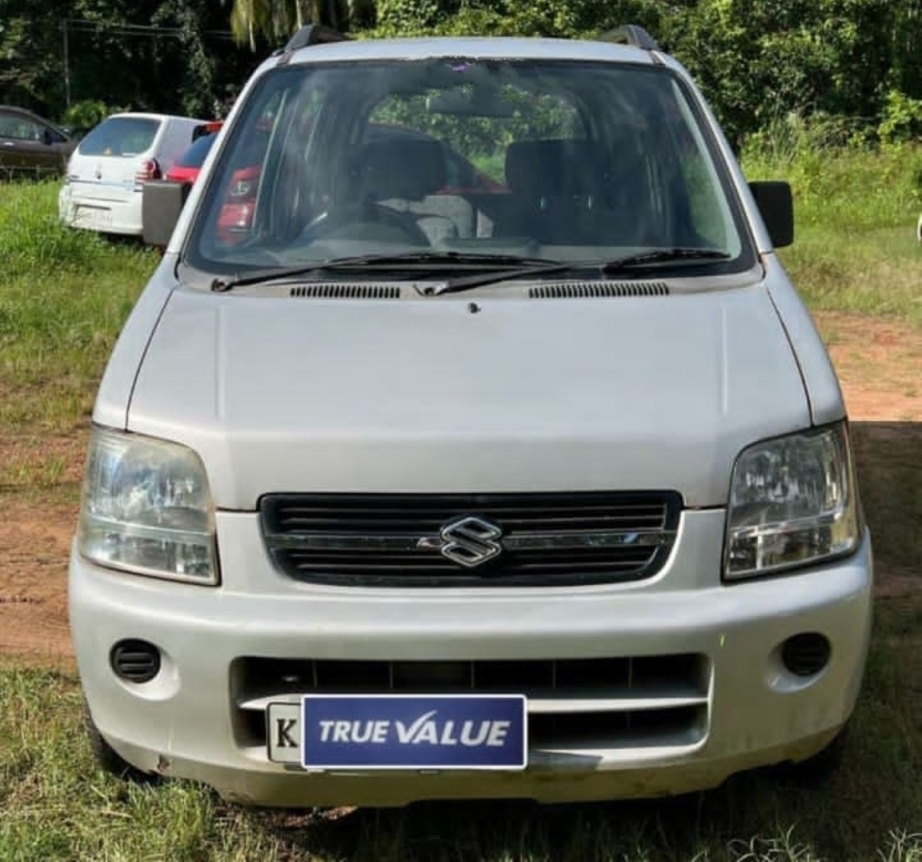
[[31, 147]]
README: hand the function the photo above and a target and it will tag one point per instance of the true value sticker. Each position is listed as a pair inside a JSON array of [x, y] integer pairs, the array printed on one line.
[[410, 731]]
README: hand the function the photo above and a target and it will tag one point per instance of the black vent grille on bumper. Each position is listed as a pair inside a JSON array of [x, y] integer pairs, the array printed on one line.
[[400, 540], [572, 703]]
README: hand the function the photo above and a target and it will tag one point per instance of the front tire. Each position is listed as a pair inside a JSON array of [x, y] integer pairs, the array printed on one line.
[[821, 766], [108, 759]]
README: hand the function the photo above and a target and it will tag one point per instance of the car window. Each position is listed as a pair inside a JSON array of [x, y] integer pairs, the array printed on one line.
[[120, 136], [572, 160], [195, 155], [474, 145], [52, 136], [253, 137], [19, 128]]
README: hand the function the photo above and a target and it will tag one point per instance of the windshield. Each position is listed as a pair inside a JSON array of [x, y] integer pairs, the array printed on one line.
[[120, 136], [557, 161]]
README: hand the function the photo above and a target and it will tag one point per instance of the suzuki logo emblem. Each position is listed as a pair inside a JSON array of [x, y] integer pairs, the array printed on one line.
[[470, 541]]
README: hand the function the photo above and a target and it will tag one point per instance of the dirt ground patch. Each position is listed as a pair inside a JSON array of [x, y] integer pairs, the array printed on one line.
[[34, 544], [879, 363], [880, 367]]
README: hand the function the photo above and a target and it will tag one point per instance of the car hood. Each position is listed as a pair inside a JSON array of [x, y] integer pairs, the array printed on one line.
[[439, 395]]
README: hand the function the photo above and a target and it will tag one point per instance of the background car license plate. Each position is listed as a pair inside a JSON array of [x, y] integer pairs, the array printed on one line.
[[406, 731], [94, 218]]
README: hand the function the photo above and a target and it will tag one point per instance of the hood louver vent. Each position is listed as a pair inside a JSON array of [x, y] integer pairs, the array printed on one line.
[[347, 291], [597, 289]]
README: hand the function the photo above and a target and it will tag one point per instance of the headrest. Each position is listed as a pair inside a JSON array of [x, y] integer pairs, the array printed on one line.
[[554, 168], [406, 169]]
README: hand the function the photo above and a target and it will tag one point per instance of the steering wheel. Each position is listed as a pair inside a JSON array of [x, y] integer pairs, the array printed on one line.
[[365, 221]]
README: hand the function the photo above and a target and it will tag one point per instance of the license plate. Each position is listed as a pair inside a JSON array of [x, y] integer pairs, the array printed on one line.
[[94, 217], [376, 732]]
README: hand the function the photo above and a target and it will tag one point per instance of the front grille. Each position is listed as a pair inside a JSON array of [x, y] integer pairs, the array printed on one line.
[[678, 675], [613, 702], [420, 540]]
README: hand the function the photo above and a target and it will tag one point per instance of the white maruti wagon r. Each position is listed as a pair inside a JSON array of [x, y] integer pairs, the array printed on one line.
[[493, 455]]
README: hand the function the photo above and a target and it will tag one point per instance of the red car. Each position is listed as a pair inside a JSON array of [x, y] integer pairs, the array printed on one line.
[[237, 212], [186, 168]]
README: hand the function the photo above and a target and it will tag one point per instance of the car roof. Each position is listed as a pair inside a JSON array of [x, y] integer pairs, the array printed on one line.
[[145, 115], [25, 112], [15, 109], [472, 47]]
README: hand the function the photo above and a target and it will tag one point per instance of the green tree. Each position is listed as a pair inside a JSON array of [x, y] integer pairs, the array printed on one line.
[[758, 60], [171, 56], [276, 20]]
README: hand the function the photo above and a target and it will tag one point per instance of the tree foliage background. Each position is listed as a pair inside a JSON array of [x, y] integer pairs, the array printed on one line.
[[161, 55], [857, 62]]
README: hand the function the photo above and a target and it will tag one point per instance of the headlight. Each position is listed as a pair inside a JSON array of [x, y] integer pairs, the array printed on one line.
[[792, 503], [147, 509]]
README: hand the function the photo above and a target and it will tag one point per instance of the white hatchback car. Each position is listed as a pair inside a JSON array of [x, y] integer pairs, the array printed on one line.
[[496, 457], [105, 176]]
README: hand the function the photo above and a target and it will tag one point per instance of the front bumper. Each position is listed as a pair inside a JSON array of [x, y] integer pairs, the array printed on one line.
[[186, 722]]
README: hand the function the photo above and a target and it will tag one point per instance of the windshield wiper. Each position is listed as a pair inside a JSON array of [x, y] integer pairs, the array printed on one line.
[[487, 268], [537, 267], [427, 261], [662, 255], [482, 279]]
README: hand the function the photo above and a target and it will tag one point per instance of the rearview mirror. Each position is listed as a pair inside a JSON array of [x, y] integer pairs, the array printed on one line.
[[161, 203], [777, 207], [469, 104]]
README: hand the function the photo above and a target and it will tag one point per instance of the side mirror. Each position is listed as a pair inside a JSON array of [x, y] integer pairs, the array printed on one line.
[[777, 207], [161, 203]]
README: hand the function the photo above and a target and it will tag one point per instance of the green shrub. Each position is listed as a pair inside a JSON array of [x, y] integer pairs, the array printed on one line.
[[840, 177], [84, 115], [902, 118]]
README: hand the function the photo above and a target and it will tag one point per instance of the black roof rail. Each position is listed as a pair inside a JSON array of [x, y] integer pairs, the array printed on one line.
[[310, 34], [631, 34]]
